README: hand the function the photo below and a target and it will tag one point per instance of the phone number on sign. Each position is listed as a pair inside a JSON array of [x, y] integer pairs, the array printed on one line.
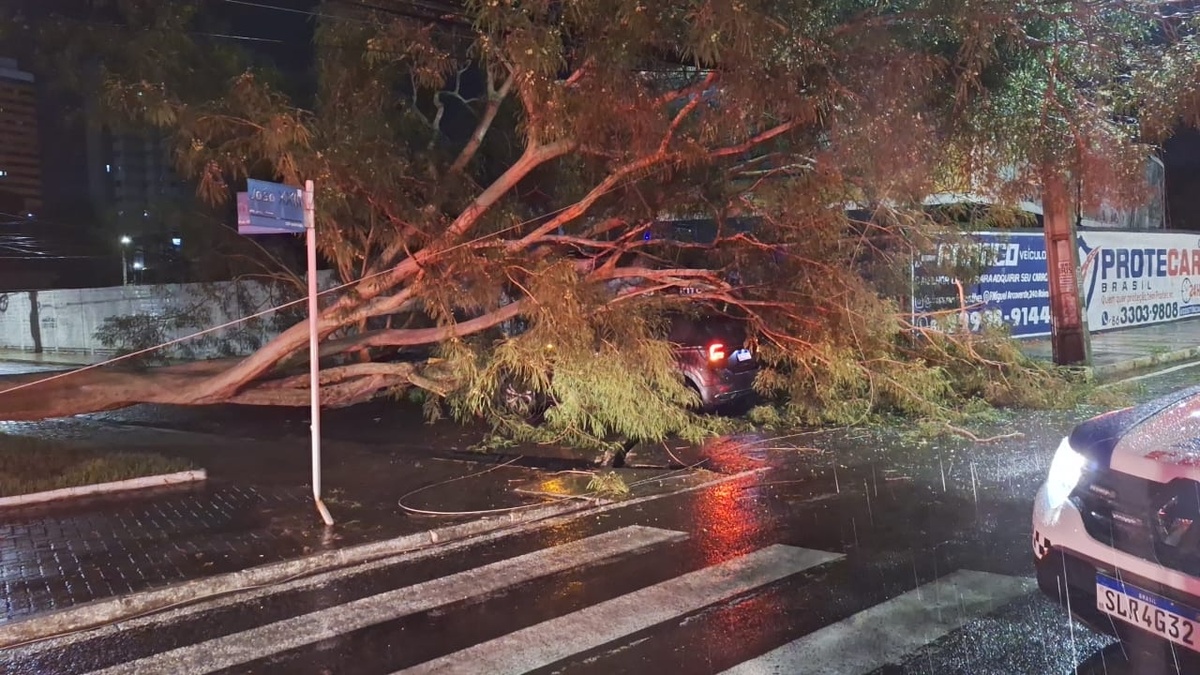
[[1015, 317], [978, 319], [1141, 314]]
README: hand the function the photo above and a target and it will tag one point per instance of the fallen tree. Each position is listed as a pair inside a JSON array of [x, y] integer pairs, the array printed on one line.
[[505, 161]]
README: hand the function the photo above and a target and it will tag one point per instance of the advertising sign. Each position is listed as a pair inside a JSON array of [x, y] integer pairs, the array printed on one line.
[[1013, 288], [1139, 278]]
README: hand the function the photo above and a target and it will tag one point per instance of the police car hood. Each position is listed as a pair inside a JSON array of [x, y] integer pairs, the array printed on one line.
[[1157, 441]]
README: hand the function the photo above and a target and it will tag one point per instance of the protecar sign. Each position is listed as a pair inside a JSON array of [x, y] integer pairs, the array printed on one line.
[[1138, 278]]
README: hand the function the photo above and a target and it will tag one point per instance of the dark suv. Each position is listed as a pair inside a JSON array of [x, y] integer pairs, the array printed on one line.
[[713, 354], [715, 358]]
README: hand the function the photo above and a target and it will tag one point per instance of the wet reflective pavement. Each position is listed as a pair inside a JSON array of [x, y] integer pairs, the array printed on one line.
[[857, 552], [50, 560]]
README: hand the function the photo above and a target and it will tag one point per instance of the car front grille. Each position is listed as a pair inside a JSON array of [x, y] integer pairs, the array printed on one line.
[[1157, 522]]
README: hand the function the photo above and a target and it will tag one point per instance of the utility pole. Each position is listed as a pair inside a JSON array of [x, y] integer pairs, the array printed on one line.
[[125, 242], [1068, 326]]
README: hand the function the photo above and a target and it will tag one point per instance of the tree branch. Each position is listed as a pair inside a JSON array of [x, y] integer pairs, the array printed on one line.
[[574, 77], [533, 157], [685, 111], [226, 385], [757, 139], [411, 337], [495, 98], [329, 376], [580, 207], [339, 395]]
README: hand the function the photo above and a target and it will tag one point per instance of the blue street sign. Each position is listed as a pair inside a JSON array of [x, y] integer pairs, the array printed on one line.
[[270, 208]]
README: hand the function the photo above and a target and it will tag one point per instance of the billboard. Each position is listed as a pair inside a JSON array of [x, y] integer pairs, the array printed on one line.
[[1012, 289], [1139, 278]]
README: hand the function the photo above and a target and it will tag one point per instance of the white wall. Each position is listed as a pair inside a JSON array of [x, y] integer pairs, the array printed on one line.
[[68, 318]]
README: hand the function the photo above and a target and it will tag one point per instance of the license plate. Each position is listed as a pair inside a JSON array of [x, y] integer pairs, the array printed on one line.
[[741, 355], [1156, 614]]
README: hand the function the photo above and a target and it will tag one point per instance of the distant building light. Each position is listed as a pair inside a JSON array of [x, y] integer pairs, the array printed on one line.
[[138, 265], [176, 241], [145, 214], [3, 173], [29, 214], [126, 240]]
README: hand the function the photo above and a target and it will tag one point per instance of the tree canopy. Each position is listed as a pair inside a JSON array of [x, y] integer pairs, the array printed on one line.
[[490, 162]]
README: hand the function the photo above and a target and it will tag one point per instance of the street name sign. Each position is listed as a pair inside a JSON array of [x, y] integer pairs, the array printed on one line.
[[270, 208]]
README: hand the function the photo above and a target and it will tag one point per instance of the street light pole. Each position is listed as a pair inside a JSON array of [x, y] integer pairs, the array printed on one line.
[[125, 241]]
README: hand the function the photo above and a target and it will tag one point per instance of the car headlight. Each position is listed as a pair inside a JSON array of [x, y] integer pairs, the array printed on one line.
[[1066, 469]]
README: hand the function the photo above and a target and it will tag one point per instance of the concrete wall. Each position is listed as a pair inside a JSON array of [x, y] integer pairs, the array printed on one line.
[[67, 320]]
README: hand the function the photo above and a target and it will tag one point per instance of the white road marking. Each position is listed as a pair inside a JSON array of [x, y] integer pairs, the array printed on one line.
[[540, 645], [19, 632], [887, 632], [263, 641], [1164, 371]]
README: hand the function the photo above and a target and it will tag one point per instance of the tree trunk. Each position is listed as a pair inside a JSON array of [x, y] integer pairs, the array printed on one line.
[[38, 396]]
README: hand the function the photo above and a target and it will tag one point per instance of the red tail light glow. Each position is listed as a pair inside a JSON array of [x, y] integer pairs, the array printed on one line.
[[716, 351]]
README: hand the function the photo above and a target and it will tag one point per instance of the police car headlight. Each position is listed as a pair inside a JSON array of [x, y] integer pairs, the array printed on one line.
[[1066, 469]]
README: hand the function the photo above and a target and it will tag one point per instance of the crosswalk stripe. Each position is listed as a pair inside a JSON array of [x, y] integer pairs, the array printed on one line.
[[263, 641], [540, 645], [885, 633]]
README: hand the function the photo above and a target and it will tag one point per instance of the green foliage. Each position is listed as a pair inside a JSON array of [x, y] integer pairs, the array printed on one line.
[[493, 443], [605, 371], [131, 333], [35, 465], [608, 485]]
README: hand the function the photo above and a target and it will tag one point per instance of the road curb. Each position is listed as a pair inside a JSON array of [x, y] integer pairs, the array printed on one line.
[[99, 613], [33, 359], [142, 483], [1121, 367]]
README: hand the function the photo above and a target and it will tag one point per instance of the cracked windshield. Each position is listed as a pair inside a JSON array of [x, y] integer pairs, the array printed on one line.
[[484, 337]]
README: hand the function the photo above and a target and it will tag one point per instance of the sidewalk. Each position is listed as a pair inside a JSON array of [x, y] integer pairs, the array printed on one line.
[[1128, 349], [256, 510], [51, 359]]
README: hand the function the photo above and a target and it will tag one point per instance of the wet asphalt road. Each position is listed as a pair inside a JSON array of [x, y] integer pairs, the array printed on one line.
[[823, 563]]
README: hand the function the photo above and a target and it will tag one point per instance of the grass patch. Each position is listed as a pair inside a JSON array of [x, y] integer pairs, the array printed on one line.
[[30, 465], [608, 485]]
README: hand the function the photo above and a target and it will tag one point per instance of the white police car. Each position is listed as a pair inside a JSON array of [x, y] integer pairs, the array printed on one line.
[[1115, 532]]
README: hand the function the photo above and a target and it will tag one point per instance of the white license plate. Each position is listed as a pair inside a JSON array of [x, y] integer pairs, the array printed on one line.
[[1169, 620], [741, 355]]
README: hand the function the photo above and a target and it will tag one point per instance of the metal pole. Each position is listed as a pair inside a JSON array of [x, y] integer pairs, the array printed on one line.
[[314, 364], [124, 268]]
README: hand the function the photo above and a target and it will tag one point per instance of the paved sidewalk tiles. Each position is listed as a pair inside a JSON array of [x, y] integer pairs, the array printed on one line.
[[50, 560]]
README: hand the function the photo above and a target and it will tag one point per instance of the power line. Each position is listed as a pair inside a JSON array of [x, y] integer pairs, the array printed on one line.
[[289, 10], [431, 13], [461, 20]]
